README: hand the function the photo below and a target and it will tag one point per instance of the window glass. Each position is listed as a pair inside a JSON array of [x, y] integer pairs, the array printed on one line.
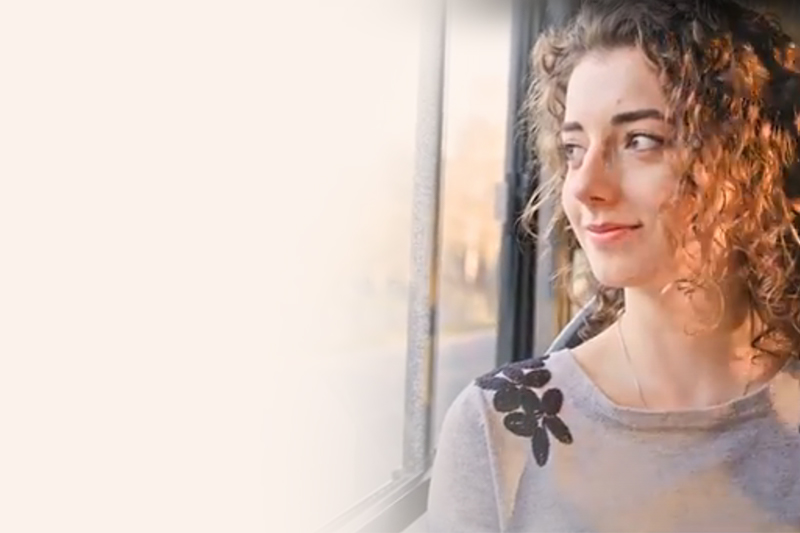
[[474, 158]]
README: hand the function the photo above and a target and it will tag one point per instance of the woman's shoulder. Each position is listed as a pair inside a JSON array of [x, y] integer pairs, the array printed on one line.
[[784, 393], [516, 403], [536, 372], [493, 429], [499, 389]]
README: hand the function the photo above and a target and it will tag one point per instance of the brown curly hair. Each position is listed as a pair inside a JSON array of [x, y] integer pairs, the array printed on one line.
[[733, 90]]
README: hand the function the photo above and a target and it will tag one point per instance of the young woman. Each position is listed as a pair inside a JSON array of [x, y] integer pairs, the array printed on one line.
[[669, 129]]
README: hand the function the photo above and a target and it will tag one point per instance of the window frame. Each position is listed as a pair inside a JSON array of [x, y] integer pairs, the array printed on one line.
[[520, 270]]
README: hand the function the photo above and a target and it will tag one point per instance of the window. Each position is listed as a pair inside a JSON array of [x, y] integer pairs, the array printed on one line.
[[474, 152], [361, 388]]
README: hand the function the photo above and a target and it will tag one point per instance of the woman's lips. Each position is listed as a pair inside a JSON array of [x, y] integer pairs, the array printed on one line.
[[610, 233]]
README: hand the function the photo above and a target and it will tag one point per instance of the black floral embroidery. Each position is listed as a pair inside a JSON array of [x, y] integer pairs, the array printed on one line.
[[528, 414]]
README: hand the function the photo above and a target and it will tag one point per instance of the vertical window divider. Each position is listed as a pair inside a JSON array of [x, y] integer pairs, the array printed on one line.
[[425, 242]]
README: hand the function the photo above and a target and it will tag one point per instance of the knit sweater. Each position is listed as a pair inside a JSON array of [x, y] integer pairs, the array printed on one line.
[[536, 446]]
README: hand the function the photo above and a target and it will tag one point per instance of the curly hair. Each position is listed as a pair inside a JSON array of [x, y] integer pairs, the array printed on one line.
[[732, 89]]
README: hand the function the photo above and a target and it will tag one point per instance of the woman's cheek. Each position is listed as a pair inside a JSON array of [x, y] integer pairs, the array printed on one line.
[[568, 200]]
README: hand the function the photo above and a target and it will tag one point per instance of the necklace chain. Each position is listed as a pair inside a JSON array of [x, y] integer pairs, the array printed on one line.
[[636, 378]]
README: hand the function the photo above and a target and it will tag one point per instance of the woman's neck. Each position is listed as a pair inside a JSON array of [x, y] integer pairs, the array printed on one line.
[[684, 354]]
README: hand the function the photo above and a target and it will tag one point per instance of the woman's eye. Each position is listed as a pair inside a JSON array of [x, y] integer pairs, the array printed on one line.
[[643, 142], [572, 152]]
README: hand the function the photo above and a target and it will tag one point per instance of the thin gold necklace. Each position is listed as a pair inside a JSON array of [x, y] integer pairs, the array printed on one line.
[[636, 379]]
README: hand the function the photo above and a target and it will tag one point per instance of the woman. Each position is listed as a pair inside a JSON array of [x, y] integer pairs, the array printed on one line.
[[670, 130]]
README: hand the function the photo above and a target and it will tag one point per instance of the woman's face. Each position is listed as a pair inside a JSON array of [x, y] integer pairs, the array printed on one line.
[[615, 141]]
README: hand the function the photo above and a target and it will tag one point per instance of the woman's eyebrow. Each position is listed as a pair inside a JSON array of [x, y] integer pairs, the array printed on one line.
[[633, 116], [571, 126], [620, 118]]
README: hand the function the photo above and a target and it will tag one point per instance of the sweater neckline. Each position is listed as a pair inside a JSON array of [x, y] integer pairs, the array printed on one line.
[[589, 397]]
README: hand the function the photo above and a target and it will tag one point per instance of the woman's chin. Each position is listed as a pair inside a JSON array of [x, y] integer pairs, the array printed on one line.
[[620, 277]]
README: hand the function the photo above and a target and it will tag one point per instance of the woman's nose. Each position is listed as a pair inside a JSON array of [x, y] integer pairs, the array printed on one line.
[[596, 180]]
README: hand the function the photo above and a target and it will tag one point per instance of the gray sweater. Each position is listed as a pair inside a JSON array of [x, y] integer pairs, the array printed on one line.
[[536, 446]]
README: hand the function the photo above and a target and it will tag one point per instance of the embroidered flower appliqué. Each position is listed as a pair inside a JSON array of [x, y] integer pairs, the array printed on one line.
[[528, 414]]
